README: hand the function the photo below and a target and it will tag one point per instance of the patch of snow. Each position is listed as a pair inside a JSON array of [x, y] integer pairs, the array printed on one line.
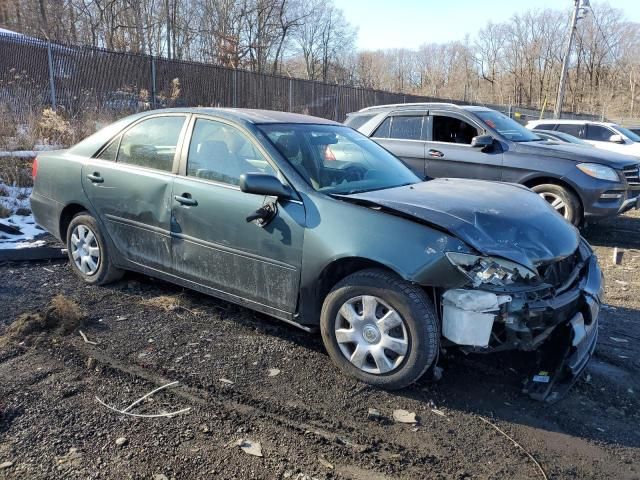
[[13, 198], [29, 229]]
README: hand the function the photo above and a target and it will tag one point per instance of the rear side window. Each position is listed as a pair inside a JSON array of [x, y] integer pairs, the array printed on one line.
[[152, 143], [356, 121], [571, 129], [111, 152], [406, 127], [384, 129], [546, 126], [598, 133]]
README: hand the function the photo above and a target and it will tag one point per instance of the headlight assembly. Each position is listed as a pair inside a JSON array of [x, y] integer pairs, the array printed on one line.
[[601, 172], [489, 270]]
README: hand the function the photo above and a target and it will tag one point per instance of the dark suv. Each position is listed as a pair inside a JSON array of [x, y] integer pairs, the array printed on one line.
[[446, 140]]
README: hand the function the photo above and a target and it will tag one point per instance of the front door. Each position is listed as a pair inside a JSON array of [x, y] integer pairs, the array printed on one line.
[[213, 244], [129, 185], [449, 152]]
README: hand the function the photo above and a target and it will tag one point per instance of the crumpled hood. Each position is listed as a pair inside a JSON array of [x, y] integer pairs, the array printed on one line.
[[578, 153], [499, 219]]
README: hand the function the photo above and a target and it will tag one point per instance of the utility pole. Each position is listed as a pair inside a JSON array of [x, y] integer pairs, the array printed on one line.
[[578, 5], [168, 29]]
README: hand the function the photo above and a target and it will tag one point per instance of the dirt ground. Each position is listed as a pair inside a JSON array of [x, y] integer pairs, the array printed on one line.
[[246, 377]]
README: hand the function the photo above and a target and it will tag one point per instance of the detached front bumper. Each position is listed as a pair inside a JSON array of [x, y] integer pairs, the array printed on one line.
[[560, 324]]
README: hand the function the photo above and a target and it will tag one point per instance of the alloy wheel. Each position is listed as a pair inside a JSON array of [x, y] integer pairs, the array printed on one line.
[[556, 202], [371, 334], [85, 250]]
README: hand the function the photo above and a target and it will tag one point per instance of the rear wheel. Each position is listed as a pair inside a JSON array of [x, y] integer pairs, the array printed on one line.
[[565, 202], [380, 329], [88, 251]]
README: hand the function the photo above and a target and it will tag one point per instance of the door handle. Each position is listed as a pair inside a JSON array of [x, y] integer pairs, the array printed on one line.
[[186, 200], [95, 178], [435, 153]]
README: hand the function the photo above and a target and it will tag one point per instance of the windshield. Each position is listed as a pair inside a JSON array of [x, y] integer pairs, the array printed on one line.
[[335, 159], [508, 128], [628, 133]]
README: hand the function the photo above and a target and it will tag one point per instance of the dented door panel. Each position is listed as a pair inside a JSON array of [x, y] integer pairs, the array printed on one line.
[[135, 206]]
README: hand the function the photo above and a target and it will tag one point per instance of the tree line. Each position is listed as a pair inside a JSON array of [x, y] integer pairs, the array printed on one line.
[[514, 62]]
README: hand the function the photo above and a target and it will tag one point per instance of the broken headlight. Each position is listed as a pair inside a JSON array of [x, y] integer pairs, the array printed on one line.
[[489, 270]]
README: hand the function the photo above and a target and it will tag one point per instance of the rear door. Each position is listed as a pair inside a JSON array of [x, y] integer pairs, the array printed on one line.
[[402, 135], [129, 185], [449, 152], [213, 244]]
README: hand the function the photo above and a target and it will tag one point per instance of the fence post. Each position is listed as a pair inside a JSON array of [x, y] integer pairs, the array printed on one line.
[[335, 110], [52, 83], [290, 94], [153, 82], [235, 87]]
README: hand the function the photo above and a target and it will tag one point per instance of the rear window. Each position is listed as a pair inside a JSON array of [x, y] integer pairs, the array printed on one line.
[[356, 121]]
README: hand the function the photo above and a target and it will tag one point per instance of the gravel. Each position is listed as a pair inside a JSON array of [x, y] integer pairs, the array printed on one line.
[[309, 415]]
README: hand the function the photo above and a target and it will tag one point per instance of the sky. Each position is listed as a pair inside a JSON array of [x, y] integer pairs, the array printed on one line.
[[409, 23]]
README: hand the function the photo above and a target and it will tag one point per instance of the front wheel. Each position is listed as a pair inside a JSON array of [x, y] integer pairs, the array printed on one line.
[[380, 329], [562, 200]]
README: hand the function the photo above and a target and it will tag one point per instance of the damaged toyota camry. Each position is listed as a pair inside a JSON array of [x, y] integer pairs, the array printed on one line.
[[311, 222]]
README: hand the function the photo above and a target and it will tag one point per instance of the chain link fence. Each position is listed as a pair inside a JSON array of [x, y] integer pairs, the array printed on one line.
[[35, 73]]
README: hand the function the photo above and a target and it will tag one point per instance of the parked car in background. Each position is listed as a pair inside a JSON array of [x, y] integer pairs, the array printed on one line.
[[604, 135], [635, 130], [247, 206], [561, 137], [445, 140]]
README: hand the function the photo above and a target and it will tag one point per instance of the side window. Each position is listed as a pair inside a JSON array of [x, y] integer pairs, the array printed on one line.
[[546, 126], [452, 130], [384, 129], [406, 127], [152, 143], [222, 153], [111, 152], [571, 128], [598, 133]]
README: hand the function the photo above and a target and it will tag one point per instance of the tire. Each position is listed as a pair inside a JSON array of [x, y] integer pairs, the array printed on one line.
[[565, 202], [418, 329], [83, 238]]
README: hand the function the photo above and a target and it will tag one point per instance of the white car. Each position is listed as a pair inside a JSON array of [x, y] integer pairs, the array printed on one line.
[[605, 135]]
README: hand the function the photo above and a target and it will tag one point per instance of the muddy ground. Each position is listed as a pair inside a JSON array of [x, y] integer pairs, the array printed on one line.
[[310, 420]]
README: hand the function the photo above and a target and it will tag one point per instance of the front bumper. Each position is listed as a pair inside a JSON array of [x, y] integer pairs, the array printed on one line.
[[610, 201], [559, 324]]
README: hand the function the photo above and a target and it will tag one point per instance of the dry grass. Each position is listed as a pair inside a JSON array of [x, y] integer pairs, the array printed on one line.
[[61, 316], [167, 303], [4, 212]]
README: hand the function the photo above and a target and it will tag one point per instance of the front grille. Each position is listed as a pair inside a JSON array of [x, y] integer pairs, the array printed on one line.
[[557, 273], [632, 174]]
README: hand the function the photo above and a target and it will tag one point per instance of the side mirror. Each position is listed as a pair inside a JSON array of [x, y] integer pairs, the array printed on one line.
[[264, 184], [616, 139], [482, 141]]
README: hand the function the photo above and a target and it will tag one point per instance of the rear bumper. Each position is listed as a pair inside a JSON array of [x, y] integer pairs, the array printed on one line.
[[46, 213]]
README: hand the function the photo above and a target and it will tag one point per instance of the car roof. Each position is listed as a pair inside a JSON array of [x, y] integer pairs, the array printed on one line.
[[249, 115], [419, 106]]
